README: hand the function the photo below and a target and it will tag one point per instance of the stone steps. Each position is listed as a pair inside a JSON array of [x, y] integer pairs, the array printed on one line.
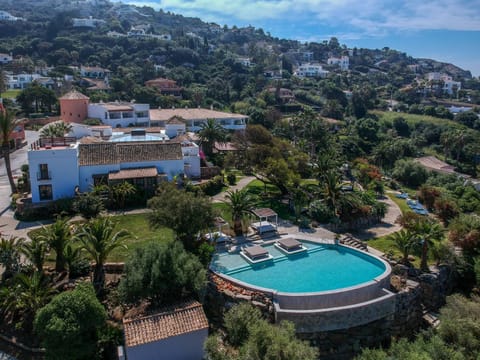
[[355, 243]]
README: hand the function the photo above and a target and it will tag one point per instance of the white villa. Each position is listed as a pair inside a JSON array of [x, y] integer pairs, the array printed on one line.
[[60, 167], [120, 114], [6, 16], [89, 22], [5, 58], [21, 81], [310, 70], [195, 117], [343, 62], [448, 84]]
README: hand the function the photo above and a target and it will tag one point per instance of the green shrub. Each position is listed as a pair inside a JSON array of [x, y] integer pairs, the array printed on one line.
[[319, 211], [69, 324], [88, 205]]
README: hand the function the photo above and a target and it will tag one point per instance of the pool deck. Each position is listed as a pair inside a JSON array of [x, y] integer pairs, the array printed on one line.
[[325, 310]]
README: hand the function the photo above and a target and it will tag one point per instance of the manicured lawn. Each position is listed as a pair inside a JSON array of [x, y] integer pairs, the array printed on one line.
[[10, 94], [387, 247], [138, 226]]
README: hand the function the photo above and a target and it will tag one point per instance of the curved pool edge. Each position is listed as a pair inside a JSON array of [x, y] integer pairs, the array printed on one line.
[[331, 309]]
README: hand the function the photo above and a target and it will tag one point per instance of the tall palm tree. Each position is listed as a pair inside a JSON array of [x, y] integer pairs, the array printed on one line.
[[403, 240], [10, 255], [35, 251], [7, 126], [331, 189], [427, 232], [241, 203], [98, 239], [57, 236], [210, 133]]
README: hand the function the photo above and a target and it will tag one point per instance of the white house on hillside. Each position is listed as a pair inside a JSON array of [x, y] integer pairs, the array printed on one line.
[[21, 81], [310, 70], [5, 58], [343, 62], [6, 16], [89, 22], [120, 114], [195, 117]]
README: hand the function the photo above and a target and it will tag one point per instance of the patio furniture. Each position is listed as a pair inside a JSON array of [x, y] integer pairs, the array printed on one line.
[[290, 245], [255, 254]]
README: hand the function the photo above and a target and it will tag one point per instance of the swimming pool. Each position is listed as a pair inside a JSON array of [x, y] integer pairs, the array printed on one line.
[[323, 267]]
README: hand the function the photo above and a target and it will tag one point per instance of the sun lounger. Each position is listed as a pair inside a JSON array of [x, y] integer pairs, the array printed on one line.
[[255, 254], [290, 245]]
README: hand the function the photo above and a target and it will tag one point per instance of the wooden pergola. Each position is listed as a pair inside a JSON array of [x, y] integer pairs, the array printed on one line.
[[268, 220]]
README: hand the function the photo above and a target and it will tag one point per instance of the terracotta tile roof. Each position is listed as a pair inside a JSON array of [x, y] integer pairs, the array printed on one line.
[[169, 322], [133, 173], [114, 153], [74, 95], [192, 114]]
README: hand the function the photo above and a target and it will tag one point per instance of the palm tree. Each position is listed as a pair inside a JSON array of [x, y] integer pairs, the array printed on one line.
[[403, 240], [57, 236], [427, 232], [10, 255], [35, 251], [241, 203], [122, 191], [29, 294], [56, 129], [210, 133], [331, 189], [7, 126], [98, 239]]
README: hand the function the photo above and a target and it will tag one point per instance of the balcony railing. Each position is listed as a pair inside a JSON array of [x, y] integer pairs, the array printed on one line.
[[44, 175]]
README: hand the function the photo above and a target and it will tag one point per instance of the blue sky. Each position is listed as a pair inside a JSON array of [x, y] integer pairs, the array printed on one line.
[[444, 30]]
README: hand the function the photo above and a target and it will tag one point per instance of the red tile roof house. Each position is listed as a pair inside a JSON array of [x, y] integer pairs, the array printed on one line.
[[176, 333]]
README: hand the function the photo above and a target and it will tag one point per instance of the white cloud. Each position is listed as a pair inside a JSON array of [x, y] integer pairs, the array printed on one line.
[[370, 17]]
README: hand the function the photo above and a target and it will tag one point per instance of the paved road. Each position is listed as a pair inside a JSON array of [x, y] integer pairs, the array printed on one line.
[[17, 159]]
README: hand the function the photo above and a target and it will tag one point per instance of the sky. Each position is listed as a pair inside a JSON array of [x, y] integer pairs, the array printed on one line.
[[444, 30]]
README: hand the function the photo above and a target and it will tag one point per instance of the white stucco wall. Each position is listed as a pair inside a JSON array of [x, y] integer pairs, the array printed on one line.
[[85, 179], [183, 347], [192, 166], [169, 167], [62, 168]]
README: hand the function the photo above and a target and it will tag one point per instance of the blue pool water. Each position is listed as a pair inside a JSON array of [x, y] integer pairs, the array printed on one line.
[[320, 268]]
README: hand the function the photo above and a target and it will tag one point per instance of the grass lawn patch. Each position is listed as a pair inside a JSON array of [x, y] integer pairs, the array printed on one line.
[[402, 203], [10, 94], [385, 245], [137, 225], [413, 119]]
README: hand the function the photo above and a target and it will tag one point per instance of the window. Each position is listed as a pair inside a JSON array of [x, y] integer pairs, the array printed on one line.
[[45, 192], [43, 173]]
